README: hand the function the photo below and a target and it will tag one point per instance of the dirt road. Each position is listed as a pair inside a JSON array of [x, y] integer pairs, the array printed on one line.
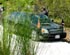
[[53, 48], [68, 34]]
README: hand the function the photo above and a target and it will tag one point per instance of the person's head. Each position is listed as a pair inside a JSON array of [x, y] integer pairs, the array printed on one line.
[[0, 3], [44, 8]]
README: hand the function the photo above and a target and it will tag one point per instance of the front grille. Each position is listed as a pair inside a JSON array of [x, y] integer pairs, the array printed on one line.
[[55, 31]]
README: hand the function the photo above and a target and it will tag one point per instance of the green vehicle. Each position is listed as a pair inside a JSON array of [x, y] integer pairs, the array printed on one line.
[[45, 29]]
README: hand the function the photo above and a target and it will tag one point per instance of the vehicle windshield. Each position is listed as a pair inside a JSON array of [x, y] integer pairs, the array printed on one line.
[[44, 19]]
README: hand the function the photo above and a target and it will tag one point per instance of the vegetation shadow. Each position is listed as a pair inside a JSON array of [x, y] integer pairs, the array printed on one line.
[[52, 41]]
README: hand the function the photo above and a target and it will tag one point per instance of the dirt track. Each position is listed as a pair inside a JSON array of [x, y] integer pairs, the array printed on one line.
[[68, 33]]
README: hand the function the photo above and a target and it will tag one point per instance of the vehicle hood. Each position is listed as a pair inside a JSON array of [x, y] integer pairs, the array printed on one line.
[[51, 26]]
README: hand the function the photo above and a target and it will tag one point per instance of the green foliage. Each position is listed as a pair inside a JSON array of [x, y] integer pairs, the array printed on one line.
[[21, 29], [57, 9]]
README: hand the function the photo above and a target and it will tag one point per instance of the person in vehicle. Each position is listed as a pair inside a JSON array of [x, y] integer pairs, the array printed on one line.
[[45, 11]]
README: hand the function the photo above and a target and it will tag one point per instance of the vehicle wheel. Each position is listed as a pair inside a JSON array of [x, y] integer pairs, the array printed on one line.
[[34, 35]]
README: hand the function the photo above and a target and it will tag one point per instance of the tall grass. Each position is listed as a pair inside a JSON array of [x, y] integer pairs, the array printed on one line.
[[20, 44]]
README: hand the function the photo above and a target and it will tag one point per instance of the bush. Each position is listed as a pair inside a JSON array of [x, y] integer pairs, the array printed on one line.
[[67, 22]]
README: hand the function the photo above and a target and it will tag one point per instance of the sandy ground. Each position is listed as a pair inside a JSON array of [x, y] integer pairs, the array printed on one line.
[[68, 33], [55, 48]]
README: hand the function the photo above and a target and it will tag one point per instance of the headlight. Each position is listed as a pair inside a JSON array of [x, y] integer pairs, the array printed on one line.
[[44, 30]]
